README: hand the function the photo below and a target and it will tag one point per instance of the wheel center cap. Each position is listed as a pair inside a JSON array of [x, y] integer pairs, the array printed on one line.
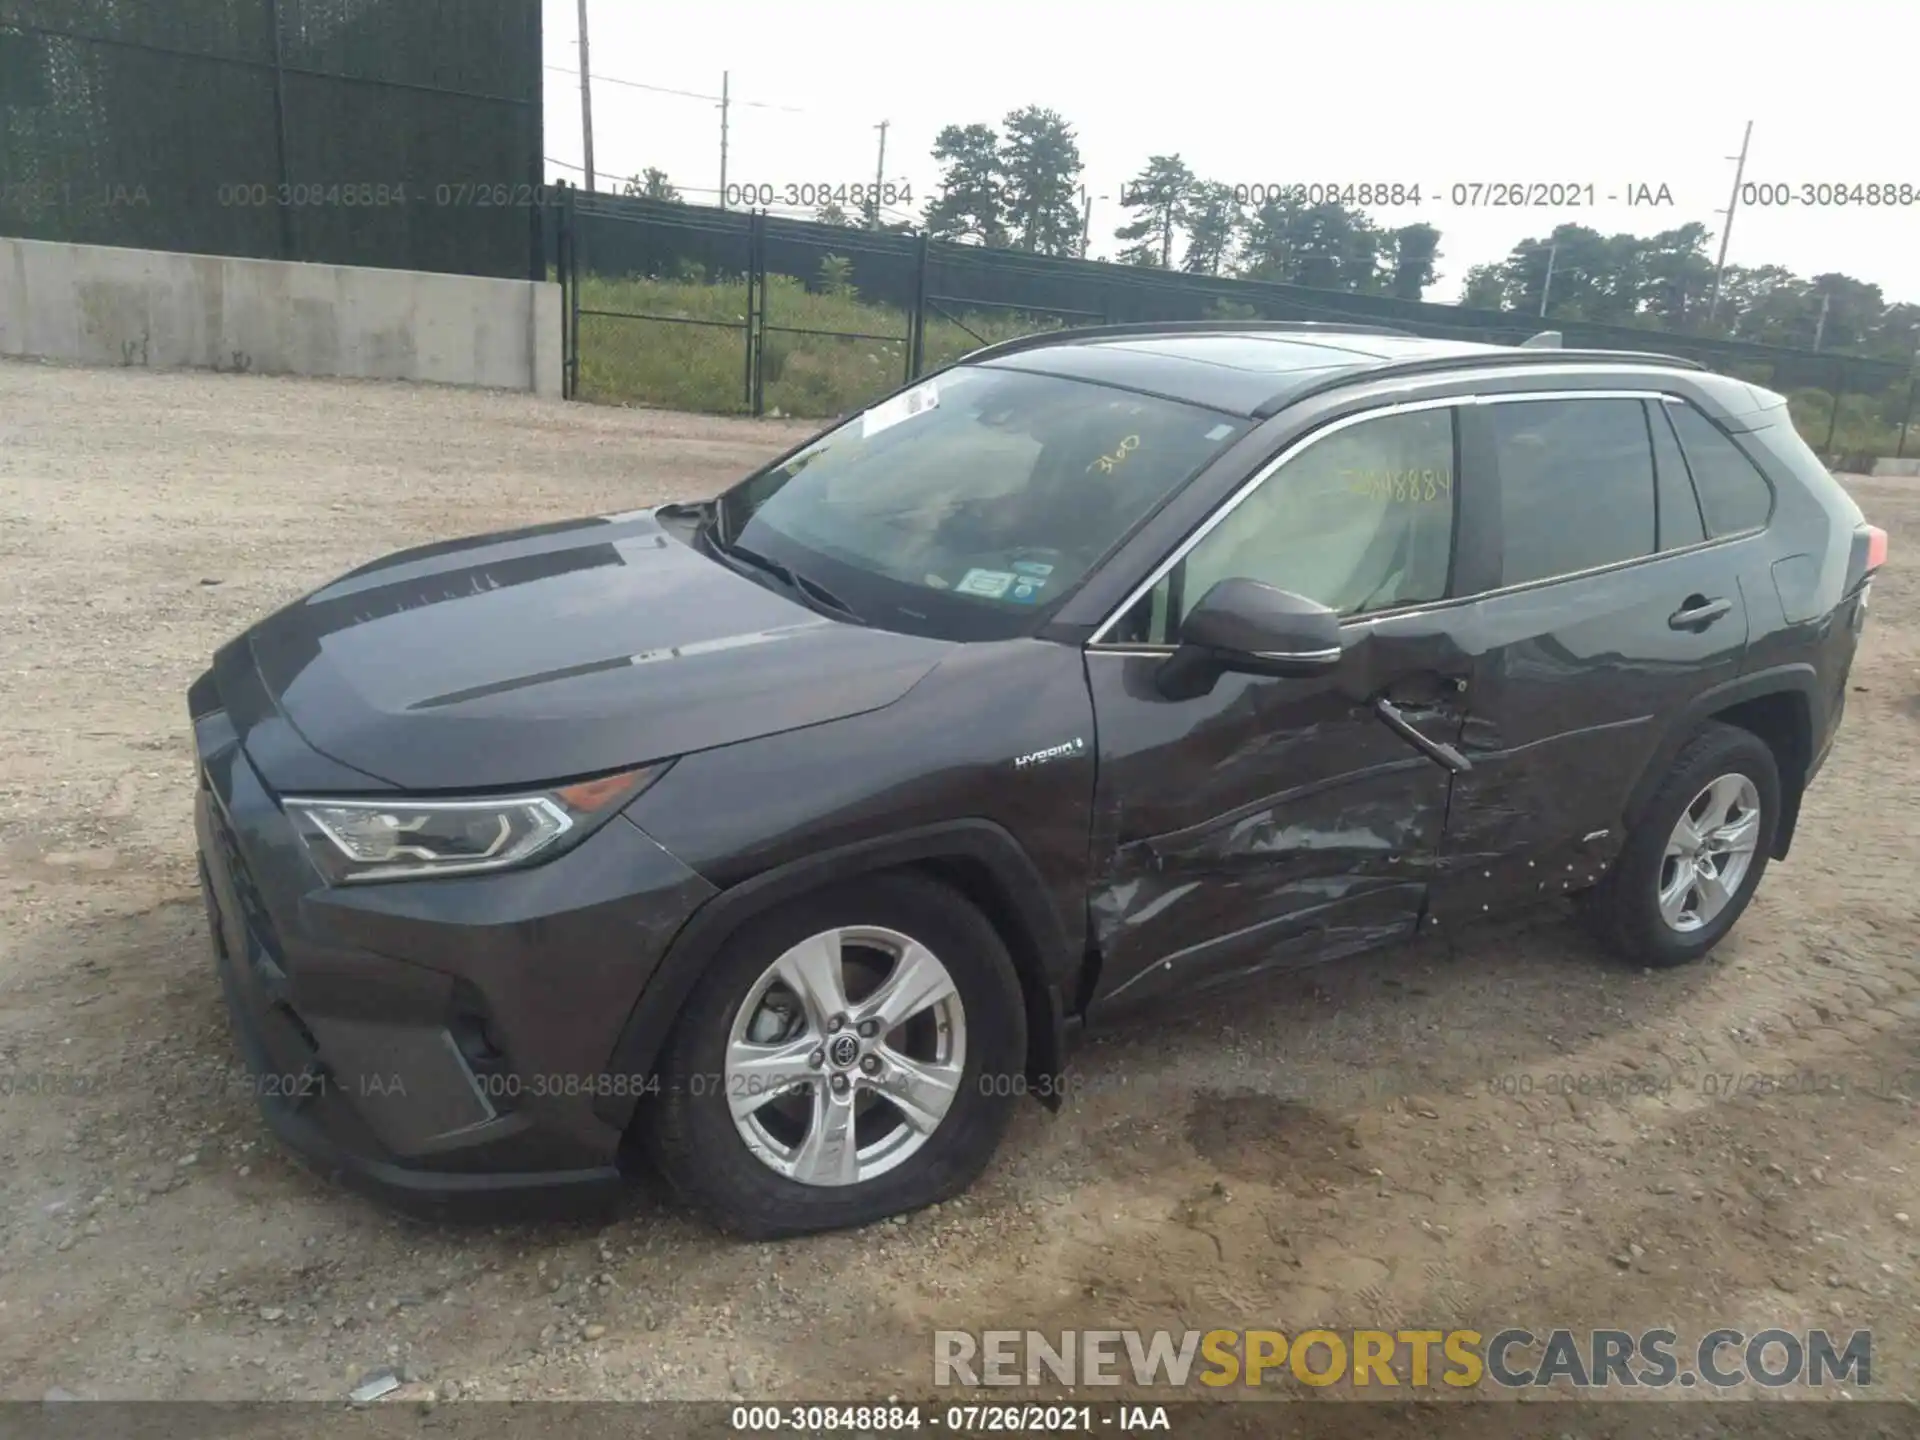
[[843, 1051]]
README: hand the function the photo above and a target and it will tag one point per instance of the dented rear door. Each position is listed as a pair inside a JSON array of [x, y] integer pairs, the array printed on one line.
[[1607, 614]]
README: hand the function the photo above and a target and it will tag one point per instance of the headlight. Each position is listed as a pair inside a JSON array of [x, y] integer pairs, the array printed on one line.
[[393, 839]]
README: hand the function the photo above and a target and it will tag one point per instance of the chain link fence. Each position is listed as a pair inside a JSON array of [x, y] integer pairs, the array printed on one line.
[[395, 133], [702, 308]]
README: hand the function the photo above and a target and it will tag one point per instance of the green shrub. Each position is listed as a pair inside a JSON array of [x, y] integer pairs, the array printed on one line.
[[836, 277]]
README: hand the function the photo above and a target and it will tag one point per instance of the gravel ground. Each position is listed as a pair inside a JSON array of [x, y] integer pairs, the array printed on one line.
[[1376, 1144]]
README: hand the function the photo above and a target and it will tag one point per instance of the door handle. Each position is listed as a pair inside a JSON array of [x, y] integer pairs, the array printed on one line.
[[1697, 612], [1437, 751]]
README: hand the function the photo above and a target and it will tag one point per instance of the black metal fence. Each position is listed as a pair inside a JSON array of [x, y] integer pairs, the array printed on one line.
[[702, 308], [396, 133]]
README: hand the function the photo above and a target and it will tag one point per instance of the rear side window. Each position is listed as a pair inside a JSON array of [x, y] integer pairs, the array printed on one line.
[[1576, 483], [1734, 495], [1679, 510]]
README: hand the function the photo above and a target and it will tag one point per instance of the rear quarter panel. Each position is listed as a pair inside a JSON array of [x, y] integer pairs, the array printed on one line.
[[1802, 608]]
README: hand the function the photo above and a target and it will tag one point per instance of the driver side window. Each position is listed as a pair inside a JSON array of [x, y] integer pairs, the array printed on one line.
[[1359, 521]]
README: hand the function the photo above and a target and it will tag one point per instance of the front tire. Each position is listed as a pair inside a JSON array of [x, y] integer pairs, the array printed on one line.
[[1695, 857], [847, 1057]]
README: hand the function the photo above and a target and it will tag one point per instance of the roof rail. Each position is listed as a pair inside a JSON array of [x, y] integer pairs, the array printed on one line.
[[1514, 357], [1088, 333]]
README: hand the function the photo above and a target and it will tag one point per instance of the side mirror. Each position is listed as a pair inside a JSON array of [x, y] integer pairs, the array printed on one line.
[[1250, 628]]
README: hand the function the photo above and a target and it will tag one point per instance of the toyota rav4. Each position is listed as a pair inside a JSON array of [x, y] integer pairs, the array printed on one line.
[[790, 835]]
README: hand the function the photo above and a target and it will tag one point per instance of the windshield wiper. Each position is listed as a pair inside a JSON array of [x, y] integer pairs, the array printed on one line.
[[792, 578]]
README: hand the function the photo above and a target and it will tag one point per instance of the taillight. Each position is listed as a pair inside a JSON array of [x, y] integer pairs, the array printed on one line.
[[1876, 548], [1865, 555]]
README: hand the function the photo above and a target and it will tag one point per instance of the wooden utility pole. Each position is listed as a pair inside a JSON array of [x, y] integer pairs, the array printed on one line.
[[1726, 230], [586, 97], [725, 78], [879, 173]]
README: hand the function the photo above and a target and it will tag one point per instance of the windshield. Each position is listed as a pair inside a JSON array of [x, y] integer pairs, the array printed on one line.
[[968, 506]]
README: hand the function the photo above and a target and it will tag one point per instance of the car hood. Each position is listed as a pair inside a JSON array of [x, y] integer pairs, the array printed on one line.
[[561, 651]]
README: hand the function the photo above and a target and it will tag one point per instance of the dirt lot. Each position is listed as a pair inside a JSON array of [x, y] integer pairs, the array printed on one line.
[[1379, 1145]]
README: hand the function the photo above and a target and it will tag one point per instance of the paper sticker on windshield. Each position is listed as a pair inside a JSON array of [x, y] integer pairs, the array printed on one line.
[[1026, 590], [1033, 567], [1218, 432], [904, 406], [993, 583]]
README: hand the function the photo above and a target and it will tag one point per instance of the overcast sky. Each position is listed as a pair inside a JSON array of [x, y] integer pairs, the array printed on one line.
[[1438, 93]]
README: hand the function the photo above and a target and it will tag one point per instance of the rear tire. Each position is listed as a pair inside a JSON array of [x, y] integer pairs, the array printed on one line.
[[1677, 889], [822, 1143]]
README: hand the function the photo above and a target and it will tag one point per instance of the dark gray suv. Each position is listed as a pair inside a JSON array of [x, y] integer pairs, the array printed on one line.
[[786, 837]]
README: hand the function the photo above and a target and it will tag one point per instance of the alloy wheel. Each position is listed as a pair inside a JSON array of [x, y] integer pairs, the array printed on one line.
[[845, 1056], [1709, 852]]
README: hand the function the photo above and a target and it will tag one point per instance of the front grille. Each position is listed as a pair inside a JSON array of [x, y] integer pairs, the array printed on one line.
[[289, 1049], [253, 908]]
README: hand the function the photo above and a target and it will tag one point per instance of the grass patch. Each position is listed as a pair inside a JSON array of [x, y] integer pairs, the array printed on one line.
[[1868, 424], [703, 366]]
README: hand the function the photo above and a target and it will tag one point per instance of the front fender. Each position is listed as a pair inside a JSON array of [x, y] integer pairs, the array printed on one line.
[[1027, 920]]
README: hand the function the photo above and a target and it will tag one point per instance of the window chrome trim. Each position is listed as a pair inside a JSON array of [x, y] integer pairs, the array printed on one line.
[[1095, 642], [1349, 622], [1421, 607], [1708, 544], [1332, 652], [1565, 395]]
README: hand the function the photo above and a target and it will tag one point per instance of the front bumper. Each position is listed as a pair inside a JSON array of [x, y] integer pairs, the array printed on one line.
[[440, 1043]]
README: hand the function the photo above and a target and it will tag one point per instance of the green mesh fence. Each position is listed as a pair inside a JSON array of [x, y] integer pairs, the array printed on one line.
[[396, 133]]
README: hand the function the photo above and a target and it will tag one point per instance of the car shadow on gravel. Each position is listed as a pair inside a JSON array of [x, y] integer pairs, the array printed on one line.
[[1531, 984], [143, 1071], [139, 1087]]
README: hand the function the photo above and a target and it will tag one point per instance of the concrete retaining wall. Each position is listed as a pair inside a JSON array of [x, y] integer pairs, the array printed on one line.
[[1909, 468], [100, 305]]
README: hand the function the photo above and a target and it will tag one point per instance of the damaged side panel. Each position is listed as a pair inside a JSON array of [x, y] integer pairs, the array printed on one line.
[[1328, 879], [1573, 685], [1522, 821], [1267, 824]]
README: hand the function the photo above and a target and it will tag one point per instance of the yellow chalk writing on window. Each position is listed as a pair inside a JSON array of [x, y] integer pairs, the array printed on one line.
[[1410, 487], [1106, 463]]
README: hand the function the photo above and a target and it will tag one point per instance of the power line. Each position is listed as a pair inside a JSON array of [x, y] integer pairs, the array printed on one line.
[[587, 76], [600, 79], [634, 84], [887, 212]]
